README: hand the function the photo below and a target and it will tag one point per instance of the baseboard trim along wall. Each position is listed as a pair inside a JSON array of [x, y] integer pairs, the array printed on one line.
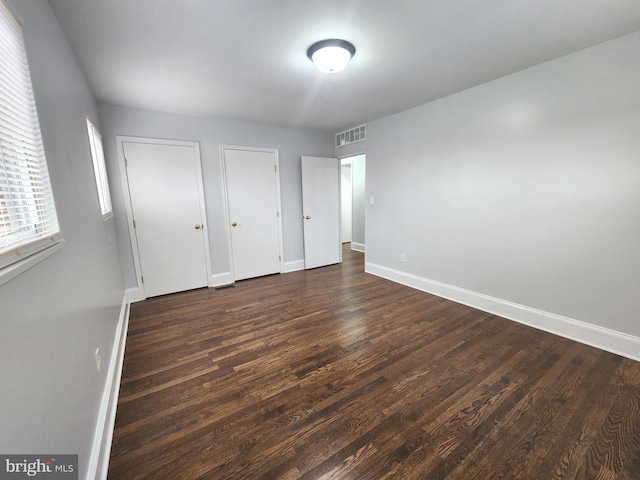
[[101, 451], [216, 280], [358, 247], [293, 266], [220, 279], [133, 295], [595, 336]]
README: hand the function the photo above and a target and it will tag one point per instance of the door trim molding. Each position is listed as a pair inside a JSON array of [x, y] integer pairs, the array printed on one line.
[[358, 247], [225, 195], [124, 179]]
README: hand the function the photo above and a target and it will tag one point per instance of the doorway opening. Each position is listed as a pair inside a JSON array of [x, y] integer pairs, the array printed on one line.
[[353, 201]]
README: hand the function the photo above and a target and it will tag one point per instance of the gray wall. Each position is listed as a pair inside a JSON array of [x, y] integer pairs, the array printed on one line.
[[526, 188], [211, 132], [54, 316]]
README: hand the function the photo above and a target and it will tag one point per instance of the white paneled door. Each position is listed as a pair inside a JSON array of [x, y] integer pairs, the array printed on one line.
[[167, 207], [321, 211], [253, 209]]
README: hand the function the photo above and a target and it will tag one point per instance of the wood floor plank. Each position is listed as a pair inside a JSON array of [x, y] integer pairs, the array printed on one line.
[[332, 373]]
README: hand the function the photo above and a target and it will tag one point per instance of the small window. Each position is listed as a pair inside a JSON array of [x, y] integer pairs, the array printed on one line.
[[100, 170], [28, 218]]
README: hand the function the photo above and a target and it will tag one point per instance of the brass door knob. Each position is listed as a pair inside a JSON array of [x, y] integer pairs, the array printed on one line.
[[308, 217], [197, 226], [234, 224]]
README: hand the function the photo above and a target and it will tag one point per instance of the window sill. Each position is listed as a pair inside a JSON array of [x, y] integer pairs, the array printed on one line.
[[12, 271]]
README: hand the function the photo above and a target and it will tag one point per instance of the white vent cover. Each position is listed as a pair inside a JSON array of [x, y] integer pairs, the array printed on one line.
[[356, 134]]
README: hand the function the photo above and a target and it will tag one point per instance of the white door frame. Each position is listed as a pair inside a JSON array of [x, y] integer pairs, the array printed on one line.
[[120, 140], [357, 153], [227, 217]]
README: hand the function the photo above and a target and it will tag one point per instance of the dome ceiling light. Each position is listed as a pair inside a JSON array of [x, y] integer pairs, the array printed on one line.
[[331, 56]]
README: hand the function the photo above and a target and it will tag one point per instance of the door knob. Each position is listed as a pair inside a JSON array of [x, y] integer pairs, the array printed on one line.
[[234, 224], [307, 217], [197, 226]]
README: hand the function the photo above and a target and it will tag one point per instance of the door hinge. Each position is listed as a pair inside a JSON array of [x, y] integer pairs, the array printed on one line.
[[126, 163], [275, 168], [278, 214], [134, 223], [280, 257], [142, 278]]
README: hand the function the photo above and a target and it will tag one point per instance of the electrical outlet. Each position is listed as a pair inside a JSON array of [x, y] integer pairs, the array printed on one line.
[[98, 359], [402, 258]]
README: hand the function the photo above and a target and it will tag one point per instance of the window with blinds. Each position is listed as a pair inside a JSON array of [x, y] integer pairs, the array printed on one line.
[[28, 218], [100, 170]]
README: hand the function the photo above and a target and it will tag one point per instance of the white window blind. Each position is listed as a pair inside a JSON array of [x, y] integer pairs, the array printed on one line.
[[100, 170], [28, 219]]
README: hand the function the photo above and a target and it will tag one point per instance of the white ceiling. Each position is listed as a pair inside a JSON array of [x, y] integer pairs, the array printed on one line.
[[246, 59]]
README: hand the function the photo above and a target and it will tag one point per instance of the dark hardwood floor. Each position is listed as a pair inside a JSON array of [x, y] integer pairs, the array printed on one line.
[[334, 373]]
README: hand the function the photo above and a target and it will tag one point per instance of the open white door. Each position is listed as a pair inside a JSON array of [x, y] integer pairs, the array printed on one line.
[[167, 215], [321, 211]]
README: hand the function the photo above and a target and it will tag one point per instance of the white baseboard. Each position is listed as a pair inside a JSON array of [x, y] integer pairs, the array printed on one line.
[[293, 266], [133, 295], [358, 247], [101, 450], [216, 280], [593, 335], [219, 279]]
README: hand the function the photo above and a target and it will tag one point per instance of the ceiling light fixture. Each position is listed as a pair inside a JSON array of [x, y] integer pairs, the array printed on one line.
[[331, 56]]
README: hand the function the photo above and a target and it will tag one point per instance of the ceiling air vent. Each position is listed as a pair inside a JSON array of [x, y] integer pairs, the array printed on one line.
[[356, 134]]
